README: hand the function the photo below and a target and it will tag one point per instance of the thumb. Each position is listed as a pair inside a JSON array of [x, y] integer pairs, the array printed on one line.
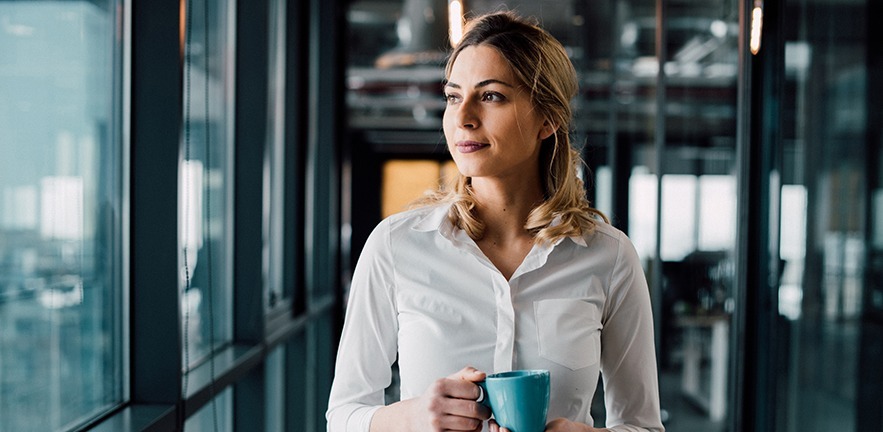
[[469, 373]]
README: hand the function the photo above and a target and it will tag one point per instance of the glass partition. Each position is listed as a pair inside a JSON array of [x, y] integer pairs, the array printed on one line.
[[697, 230], [206, 180], [822, 227], [62, 224]]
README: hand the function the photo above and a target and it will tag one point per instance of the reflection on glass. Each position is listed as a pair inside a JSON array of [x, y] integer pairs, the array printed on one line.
[[792, 249], [822, 226], [60, 214], [823, 230], [205, 182]]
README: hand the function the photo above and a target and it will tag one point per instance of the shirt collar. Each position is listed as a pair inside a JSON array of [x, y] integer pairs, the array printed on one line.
[[578, 239], [437, 220]]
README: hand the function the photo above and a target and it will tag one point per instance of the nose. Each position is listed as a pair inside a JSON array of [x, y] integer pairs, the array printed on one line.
[[467, 115]]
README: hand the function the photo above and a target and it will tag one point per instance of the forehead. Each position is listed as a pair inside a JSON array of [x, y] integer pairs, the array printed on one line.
[[479, 63]]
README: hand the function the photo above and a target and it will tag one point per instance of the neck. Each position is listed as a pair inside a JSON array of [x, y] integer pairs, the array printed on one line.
[[504, 208]]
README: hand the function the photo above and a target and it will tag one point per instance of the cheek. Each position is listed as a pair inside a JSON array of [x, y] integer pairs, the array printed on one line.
[[447, 117], [448, 126]]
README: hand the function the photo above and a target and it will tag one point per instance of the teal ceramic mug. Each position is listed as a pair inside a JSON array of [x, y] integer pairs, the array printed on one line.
[[518, 399]]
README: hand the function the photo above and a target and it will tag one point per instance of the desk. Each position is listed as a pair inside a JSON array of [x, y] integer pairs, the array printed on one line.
[[714, 400]]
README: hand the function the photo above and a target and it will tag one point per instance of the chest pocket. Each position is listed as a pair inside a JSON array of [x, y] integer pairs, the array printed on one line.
[[569, 332]]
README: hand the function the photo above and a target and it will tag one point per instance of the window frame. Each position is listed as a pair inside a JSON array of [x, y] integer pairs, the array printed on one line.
[[306, 325]]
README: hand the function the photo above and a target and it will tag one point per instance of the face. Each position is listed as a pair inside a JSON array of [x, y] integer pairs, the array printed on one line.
[[490, 124]]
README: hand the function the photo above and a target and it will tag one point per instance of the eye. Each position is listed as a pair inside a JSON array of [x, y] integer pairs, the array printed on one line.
[[451, 98], [492, 97]]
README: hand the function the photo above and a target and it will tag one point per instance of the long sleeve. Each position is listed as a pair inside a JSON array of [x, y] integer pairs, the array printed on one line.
[[368, 342], [628, 356]]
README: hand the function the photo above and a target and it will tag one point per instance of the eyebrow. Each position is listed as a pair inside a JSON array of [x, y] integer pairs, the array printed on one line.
[[484, 83]]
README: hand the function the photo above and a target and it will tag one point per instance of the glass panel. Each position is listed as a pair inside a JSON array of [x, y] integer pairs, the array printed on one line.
[[631, 129], [206, 181], [216, 416], [630, 95], [822, 226], [323, 355], [61, 223], [274, 162], [698, 219], [298, 375], [275, 390]]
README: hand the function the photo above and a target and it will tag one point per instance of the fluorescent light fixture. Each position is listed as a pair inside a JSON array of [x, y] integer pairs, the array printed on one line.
[[455, 21], [756, 28]]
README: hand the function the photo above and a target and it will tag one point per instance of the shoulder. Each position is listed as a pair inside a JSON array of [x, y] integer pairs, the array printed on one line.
[[404, 224], [399, 237], [609, 240], [427, 218], [412, 217], [606, 234]]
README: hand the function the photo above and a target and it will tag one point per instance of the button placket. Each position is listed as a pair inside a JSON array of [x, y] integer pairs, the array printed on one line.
[[505, 345]]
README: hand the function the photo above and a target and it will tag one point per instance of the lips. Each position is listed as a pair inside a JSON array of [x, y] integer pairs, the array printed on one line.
[[470, 146]]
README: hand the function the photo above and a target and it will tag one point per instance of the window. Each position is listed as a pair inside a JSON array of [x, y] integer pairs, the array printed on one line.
[[205, 227], [117, 216], [61, 214], [274, 162]]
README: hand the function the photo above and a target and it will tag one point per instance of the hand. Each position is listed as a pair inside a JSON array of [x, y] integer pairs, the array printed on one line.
[[557, 425], [449, 404]]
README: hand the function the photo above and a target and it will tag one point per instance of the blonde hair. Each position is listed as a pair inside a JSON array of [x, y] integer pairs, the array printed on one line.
[[539, 61]]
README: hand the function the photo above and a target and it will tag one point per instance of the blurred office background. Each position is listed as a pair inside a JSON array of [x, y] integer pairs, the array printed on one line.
[[185, 187]]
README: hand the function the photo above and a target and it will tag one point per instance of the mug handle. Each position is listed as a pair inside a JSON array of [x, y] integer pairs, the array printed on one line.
[[482, 395]]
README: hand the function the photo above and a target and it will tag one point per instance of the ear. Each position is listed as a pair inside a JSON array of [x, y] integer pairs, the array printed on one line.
[[547, 130]]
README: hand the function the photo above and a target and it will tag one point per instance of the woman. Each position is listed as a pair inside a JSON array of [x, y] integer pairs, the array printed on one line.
[[510, 268]]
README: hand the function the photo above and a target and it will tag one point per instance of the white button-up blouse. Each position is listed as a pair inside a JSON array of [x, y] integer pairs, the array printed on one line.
[[424, 293]]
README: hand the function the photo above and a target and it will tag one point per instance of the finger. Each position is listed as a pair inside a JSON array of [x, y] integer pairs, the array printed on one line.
[[492, 426], [469, 373], [477, 428], [448, 397], [461, 389], [457, 423], [467, 408]]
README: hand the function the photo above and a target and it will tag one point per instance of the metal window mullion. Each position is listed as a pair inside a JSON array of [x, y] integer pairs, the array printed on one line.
[[619, 154], [296, 117], [759, 146], [251, 146], [156, 112], [251, 143], [869, 398], [325, 120], [659, 165]]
